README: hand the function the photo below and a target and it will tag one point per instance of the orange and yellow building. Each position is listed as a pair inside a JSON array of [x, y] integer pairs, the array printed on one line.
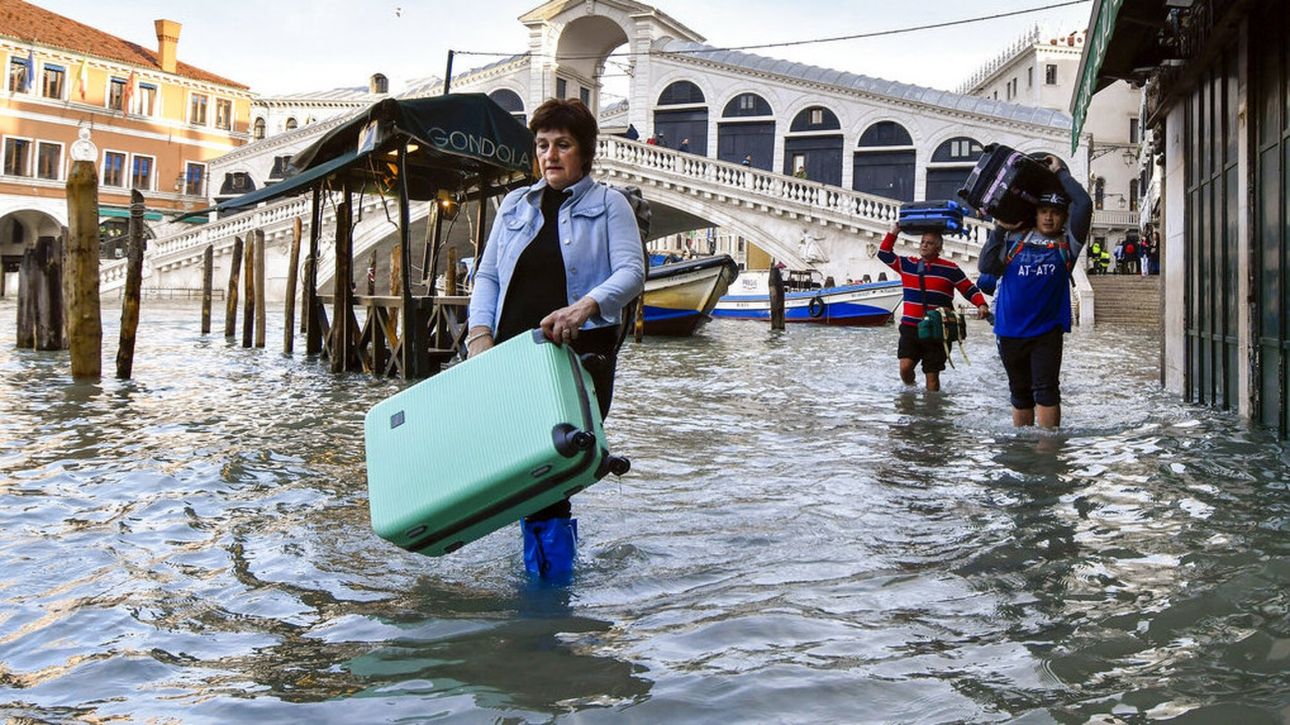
[[155, 120]]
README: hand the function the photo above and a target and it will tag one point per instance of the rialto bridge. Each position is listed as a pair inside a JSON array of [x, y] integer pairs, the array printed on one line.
[[863, 145]]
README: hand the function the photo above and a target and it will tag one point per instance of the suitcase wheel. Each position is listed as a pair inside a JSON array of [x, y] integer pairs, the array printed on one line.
[[616, 465], [569, 441]]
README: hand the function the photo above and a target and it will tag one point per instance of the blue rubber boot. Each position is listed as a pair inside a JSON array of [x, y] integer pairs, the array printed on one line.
[[550, 546]]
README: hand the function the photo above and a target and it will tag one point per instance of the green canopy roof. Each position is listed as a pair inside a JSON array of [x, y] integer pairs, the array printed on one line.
[[458, 142]]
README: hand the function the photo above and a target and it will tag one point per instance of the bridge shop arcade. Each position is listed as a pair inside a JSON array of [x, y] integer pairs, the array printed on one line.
[[451, 148]]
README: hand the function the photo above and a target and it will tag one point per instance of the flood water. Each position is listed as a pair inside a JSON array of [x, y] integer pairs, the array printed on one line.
[[800, 539]]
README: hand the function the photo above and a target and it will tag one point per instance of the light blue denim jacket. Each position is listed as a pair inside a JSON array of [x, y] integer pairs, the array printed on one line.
[[598, 239]]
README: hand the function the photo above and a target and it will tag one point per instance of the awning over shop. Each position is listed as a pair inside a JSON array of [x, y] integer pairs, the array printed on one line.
[[460, 142], [117, 212], [1122, 43], [290, 186]]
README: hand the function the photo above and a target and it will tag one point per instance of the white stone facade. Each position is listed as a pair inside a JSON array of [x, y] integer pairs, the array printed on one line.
[[1041, 69], [664, 52]]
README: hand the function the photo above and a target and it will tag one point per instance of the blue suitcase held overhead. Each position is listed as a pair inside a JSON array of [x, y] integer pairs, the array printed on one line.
[[942, 216]]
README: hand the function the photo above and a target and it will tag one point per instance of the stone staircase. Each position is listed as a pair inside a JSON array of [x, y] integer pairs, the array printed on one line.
[[1125, 299]]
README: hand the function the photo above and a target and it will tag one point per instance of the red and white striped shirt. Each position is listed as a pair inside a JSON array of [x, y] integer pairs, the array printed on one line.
[[940, 278]]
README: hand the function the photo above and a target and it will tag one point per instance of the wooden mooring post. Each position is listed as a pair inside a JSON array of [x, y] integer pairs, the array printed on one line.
[[450, 274], [412, 342], [26, 338], [776, 299], [133, 281], [230, 302], [306, 313], [248, 292], [313, 321], [289, 309], [84, 322], [342, 281], [208, 280], [40, 297], [261, 296], [47, 299]]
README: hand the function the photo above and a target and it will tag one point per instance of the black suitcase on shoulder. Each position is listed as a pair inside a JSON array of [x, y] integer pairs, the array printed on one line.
[[1006, 184], [943, 216]]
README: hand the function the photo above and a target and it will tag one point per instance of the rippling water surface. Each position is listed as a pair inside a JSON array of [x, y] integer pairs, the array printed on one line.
[[800, 539]]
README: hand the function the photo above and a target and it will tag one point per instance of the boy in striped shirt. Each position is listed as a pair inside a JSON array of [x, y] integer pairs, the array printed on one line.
[[929, 283]]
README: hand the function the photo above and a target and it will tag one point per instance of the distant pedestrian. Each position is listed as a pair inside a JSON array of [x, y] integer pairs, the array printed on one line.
[[747, 160], [929, 283], [685, 146], [652, 140], [1130, 256], [800, 173]]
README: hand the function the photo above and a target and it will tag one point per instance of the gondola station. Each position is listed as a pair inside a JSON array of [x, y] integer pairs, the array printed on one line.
[[444, 150]]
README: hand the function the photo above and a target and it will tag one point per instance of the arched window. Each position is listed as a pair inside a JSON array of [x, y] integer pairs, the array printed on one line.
[[878, 168], [679, 93], [751, 141], [815, 118], [885, 133], [747, 104], [958, 149], [811, 155], [682, 128], [257, 130], [952, 163], [510, 102], [236, 183], [291, 124], [281, 165]]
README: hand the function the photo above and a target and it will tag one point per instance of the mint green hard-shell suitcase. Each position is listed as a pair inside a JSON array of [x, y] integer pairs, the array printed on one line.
[[483, 444]]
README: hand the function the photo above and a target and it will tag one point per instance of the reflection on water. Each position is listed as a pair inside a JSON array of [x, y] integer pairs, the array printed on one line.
[[801, 538]]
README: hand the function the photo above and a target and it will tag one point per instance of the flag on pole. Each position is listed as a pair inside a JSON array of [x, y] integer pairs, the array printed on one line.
[[82, 79], [29, 81], [128, 94]]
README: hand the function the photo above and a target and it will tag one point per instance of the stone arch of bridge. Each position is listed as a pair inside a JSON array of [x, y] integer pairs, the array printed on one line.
[[778, 237], [584, 45]]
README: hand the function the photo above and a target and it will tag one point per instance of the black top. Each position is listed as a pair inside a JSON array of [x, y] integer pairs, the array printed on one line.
[[537, 286]]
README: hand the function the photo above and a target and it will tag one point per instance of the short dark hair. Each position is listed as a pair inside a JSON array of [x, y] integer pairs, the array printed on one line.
[[573, 116]]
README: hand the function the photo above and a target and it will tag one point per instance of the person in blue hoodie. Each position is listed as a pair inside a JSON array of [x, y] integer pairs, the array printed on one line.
[[1034, 262]]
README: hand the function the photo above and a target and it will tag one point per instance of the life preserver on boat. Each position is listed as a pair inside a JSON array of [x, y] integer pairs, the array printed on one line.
[[816, 307]]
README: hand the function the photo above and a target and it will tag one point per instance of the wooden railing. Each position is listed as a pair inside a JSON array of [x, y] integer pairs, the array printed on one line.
[[783, 192], [776, 191]]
